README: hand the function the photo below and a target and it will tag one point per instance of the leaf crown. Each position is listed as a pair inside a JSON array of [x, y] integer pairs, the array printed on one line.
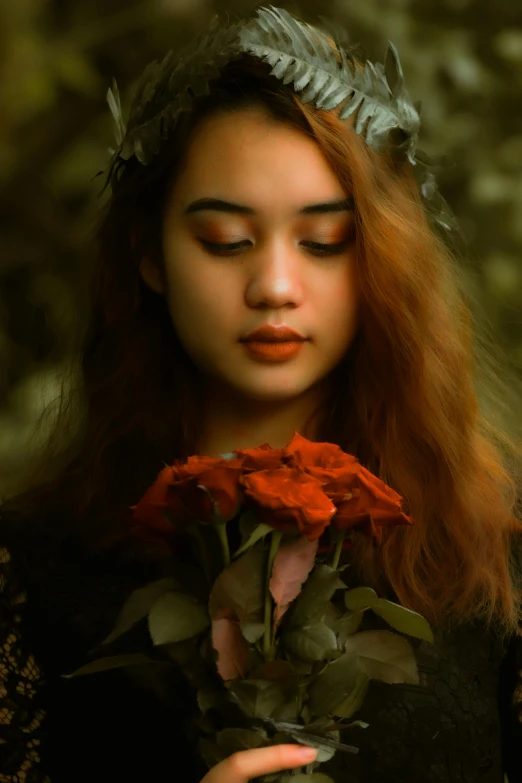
[[324, 70]]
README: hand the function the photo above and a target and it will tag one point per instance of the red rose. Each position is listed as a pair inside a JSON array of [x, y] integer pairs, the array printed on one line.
[[149, 513], [201, 482], [325, 461], [288, 499], [303, 487], [368, 495], [189, 491], [261, 458], [361, 499]]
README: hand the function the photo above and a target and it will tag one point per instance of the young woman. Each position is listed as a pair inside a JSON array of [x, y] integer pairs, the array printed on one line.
[[245, 208]]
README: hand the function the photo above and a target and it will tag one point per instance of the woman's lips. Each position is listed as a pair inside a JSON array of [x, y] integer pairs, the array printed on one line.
[[274, 351], [276, 333]]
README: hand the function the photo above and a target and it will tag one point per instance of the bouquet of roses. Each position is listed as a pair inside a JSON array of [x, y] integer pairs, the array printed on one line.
[[255, 611]]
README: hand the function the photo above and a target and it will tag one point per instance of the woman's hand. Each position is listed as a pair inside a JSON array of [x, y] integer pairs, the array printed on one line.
[[247, 764]]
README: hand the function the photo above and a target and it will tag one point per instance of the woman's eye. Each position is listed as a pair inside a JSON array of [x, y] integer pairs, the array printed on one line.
[[326, 250], [317, 248], [221, 249]]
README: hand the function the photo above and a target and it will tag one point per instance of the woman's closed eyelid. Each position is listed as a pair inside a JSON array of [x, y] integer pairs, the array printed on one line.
[[320, 248], [319, 240]]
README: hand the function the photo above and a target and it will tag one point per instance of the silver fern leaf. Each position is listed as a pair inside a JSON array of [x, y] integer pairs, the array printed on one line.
[[326, 76], [113, 99], [326, 72], [168, 88]]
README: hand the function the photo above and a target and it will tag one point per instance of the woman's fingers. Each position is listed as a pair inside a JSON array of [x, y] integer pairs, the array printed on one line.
[[247, 764]]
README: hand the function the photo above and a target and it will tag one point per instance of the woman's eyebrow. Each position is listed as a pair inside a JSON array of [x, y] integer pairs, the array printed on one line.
[[218, 205]]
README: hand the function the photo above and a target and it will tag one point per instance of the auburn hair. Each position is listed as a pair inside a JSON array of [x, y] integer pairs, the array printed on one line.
[[419, 397]]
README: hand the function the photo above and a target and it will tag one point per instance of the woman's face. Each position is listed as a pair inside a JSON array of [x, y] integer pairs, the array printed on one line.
[[274, 174]]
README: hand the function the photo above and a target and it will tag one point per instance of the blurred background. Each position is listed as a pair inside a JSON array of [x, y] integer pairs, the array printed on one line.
[[462, 58]]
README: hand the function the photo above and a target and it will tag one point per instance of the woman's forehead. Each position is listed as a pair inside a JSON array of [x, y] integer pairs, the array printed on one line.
[[236, 160]]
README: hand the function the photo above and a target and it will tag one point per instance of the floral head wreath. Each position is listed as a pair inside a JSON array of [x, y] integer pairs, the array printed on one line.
[[323, 71]]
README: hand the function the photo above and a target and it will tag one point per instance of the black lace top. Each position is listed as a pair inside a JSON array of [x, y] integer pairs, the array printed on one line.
[[462, 723]]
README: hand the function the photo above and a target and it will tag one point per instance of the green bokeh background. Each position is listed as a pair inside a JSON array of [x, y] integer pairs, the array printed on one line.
[[461, 58]]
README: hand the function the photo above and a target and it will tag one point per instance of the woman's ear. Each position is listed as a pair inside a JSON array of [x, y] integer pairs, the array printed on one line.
[[152, 275]]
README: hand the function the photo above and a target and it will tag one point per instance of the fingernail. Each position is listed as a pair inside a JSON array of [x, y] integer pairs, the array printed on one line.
[[308, 754]]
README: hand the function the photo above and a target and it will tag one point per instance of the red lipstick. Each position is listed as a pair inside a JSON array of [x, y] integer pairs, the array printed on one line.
[[273, 343], [267, 333]]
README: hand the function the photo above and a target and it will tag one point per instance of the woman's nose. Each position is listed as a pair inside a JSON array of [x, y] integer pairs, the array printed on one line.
[[275, 280]]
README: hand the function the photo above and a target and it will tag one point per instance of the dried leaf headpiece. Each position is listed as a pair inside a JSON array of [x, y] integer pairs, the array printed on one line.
[[323, 71]]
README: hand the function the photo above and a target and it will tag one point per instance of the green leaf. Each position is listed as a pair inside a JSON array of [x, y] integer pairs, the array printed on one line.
[[262, 698], [315, 777], [353, 702], [403, 620], [311, 605], [334, 684], [384, 656], [256, 535], [332, 616], [275, 670], [287, 712], [302, 668], [252, 631], [320, 725], [258, 698], [240, 589], [176, 617], [207, 699], [310, 644], [112, 662], [360, 598], [138, 606], [347, 625]]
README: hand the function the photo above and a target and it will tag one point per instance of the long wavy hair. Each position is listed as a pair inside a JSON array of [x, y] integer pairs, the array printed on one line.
[[419, 397]]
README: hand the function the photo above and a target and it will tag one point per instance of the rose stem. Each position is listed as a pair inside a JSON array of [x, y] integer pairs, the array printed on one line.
[[275, 540], [222, 533], [338, 550]]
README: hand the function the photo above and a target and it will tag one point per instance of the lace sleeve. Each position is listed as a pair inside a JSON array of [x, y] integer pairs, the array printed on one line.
[[20, 685]]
